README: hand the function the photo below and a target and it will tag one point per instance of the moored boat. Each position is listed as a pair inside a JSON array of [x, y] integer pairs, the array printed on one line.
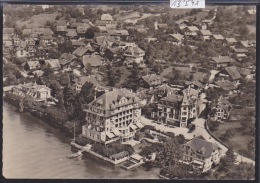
[[75, 155]]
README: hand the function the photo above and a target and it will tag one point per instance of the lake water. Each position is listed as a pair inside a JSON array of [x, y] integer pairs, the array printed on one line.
[[33, 149]]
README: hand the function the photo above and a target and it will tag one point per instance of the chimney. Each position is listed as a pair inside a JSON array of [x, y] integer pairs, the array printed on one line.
[[95, 96]]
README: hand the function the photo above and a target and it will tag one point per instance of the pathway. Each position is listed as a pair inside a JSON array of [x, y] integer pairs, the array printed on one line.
[[163, 128], [199, 130]]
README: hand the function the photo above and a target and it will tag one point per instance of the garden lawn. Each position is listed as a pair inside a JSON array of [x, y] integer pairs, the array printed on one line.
[[37, 20], [239, 141], [251, 28], [167, 71]]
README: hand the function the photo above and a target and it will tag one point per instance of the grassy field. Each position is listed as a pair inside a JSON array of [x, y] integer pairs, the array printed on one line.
[[251, 28], [239, 141], [185, 71], [167, 71], [39, 20]]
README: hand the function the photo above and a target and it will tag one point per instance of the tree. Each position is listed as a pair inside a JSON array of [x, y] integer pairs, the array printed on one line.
[[133, 80], [111, 76], [213, 125], [65, 79], [11, 80], [251, 146], [90, 33], [211, 14], [65, 47], [67, 16], [244, 31], [228, 161], [88, 68], [55, 87], [158, 68], [87, 92], [47, 71]]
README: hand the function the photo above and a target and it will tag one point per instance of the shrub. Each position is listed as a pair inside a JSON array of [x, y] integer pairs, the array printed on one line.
[[191, 128], [170, 134], [82, 141], [149, 136], [213, 125], [147, 127]]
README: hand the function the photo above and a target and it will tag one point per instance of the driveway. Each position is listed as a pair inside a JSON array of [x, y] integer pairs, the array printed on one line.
[[199, 131], [163, 128]]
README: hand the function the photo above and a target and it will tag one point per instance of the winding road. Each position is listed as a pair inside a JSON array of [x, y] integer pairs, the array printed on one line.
[[199, 131]]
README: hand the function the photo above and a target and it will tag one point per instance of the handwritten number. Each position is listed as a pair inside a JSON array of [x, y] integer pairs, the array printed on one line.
[[179, 3]]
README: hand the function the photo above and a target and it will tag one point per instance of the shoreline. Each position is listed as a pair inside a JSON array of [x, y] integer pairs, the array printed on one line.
[[63, 129]]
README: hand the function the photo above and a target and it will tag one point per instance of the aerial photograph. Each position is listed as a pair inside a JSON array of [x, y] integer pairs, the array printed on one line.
[[129, 92]]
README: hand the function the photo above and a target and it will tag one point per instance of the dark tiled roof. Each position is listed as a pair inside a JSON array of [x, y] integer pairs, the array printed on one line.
[[110, 100], [222, 59], [205, 32], [8, 30], [202, 147], [33, 63], [53, 63], [226, 85], [233, 72], [244, 71], [61, 28], [218, 37], [93, 60], [80, 51], [173, 98], [153, 79], [92, 79], [66, 58], [177, 36]]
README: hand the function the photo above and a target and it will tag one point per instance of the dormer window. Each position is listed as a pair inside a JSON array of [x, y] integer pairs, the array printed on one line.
[[202, 150]]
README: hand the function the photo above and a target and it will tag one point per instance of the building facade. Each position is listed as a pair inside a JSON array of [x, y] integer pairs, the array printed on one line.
[[222, 110], [37, 92], [168, 109], [189, 106], [113, 116], [201, 154]]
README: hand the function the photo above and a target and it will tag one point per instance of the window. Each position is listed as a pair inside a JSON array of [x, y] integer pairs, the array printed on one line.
[[184, 113]]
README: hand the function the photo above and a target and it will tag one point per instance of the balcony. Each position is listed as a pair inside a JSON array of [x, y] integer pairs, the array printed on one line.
[[128, 135]]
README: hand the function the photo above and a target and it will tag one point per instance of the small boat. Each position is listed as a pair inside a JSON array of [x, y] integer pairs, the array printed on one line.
[[75, 155]]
